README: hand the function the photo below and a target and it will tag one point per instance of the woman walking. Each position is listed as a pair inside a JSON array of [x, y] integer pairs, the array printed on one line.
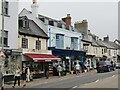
[[17, 76]]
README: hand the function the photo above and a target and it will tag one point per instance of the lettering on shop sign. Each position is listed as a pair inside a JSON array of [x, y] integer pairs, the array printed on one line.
[[47, 60]]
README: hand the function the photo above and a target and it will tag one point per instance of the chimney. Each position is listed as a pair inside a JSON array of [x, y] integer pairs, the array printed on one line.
[[34, 8], [82, 26], [67, 20], [106, 39]]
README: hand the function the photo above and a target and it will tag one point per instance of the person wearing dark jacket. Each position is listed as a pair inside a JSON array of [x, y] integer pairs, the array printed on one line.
[[46, 71], [1, 80]]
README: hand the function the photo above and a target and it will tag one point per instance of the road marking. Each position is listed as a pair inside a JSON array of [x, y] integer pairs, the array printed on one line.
[[75, 87], [113, 76], [97, 80]]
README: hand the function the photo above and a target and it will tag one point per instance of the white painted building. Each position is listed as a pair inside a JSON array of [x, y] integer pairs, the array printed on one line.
[[10, 23], [12, 58], [67, 38]]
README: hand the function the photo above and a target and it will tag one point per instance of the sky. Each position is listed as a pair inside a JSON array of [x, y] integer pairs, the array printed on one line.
[[102, 15]]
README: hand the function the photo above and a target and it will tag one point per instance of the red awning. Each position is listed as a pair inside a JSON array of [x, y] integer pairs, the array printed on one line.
[[43, 57]]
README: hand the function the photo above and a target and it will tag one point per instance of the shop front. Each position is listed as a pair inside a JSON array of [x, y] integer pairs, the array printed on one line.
[[69, 57], [11, 61], [37, 63]]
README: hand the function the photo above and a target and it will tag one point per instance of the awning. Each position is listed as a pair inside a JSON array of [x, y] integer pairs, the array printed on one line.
[[43, 57]]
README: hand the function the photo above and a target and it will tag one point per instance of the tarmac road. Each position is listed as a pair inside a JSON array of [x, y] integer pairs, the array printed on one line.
[[78, 81]]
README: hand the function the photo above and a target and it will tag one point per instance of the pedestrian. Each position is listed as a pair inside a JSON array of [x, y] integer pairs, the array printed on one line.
[[46, 71], [77, 68], [27, 74], [59, 69], [17, 76], [24, 76], [31, 75], [1, 80]]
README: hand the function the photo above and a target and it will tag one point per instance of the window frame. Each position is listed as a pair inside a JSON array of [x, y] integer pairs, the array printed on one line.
[[25, 43], [38, 44]]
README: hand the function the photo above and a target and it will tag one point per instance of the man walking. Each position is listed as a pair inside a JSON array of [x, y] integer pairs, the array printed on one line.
[[1, 80], [59, 69], [77, 67]]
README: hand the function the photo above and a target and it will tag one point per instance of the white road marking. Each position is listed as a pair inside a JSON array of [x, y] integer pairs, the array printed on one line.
[[75, 87], [97, 80], [113, 76]]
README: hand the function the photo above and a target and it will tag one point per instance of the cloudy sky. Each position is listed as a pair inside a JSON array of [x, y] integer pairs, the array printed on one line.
[[102, 15]]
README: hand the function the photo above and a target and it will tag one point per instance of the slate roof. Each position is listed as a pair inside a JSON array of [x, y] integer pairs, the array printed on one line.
[[94, 43], [33, 30], [107, 44]]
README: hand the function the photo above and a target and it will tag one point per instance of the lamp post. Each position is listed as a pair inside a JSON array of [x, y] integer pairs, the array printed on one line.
[[2, 42]]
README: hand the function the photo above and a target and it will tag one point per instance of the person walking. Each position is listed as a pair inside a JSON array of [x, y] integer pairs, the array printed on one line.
[[27, 74], [1, 80], [24, 76], [17, 76], [77, 67], [46, 71], [59, 69]]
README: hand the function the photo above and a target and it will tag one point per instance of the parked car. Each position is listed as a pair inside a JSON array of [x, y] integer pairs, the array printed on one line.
[[117, 65], [105, 66]]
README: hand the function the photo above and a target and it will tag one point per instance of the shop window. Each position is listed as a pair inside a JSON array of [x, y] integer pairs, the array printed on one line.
[[24, 43]]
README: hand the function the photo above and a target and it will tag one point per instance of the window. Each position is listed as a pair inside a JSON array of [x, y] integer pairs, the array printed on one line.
[[109, 52], [23, 23], [38, 44], [51, 23], [60, 41], [24, 43], [102, 51], [74, 43], [59, 25], [6, 7], [5, 36]]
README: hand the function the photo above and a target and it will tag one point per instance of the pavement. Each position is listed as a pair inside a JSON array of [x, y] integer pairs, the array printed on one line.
[[40, 81], [110, 82]]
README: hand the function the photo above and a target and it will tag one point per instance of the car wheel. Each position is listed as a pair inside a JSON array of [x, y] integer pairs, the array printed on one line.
[[98, 71]]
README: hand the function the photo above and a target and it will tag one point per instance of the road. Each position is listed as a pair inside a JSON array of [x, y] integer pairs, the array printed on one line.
[[78, 80]]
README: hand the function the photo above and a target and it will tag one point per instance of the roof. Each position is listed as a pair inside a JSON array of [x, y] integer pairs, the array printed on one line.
[[107, 44], [86, 39], [94, 42], [113, 44], [100, 43], [33, 30]]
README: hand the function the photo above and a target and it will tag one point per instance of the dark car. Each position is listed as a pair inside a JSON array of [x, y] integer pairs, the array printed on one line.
[[105, 66]]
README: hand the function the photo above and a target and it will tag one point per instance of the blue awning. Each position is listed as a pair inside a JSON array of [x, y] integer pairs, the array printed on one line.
[[63, 52]]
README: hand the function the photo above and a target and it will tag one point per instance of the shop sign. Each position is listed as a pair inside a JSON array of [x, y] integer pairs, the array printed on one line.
[[47, 60]]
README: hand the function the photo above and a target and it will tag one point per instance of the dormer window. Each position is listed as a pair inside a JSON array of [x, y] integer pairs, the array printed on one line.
[[59, 25], [42, 19], [23, 23], [51, 23]]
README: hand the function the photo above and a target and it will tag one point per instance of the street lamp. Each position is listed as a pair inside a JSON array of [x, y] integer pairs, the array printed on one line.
[[2, 42]]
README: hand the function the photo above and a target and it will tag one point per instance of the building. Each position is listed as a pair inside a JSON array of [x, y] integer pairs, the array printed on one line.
[[33, 43], [87, 41], [63, 40], [10, 36]]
